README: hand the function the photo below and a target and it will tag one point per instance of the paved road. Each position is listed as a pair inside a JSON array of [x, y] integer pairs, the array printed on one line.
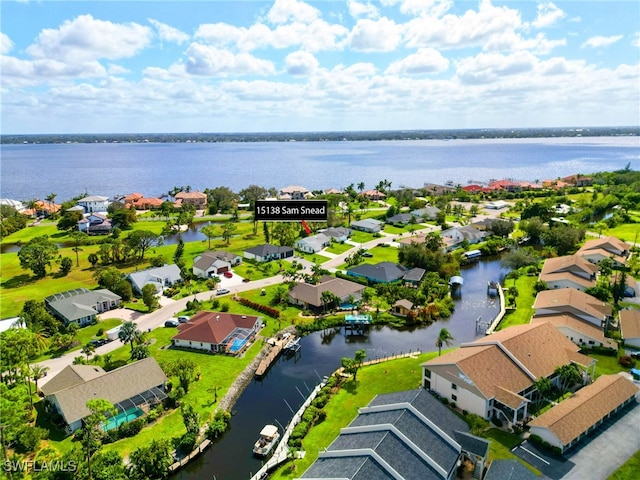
[[169, 308]]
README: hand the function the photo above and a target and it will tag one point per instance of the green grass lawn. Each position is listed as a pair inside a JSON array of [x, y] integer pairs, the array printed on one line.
[[524, 301], [361, 237], [628, 470], [339, 248], [379, 254]]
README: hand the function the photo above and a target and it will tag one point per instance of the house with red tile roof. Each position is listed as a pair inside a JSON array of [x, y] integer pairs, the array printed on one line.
[[569, 271], [197, 199], [495, 376], [373, 195], [217, 332], [567, 423]]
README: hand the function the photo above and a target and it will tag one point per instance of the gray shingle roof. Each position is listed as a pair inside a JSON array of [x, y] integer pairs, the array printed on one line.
[[410, 434], [115, 386], [509, 470], [156, 275], [79, 303], [381, 272], [267, 249]]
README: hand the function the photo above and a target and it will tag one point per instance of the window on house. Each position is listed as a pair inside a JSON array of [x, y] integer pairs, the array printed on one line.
[[427, 385], [454, 398], [427, 373], [454, 386]]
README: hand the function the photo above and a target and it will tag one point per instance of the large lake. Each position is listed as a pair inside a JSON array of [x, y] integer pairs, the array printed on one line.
[[34, 171]]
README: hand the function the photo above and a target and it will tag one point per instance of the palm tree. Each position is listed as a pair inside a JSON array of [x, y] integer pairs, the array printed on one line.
[[37, 372], [444, 338], [50, 198], [127, 333], [361, 186], [88, 350]]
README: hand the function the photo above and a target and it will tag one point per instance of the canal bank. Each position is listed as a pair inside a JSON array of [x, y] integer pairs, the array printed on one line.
[[275, 397]]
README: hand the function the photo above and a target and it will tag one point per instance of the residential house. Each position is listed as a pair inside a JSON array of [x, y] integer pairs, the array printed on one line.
[[413, 277], [583, 334], [313, 243], [609, 247], [435, 189], [217, 332], [426, 213], [309, 296], [94, 203], [214, 263], [408, 435], [81, 305], [373, 195], [41, 209], [573, 419], [383, 272], [148, 203], [569, 300], [506, 185], [132, 198], [555, 184], [569, 271], [484, 224], [132, 389], [630, 327], [578, 180], [400, 219], [495, 376], [267, 253], [453, 237], [196, 199], [402, 307], [159, 277], [95, 224], [368, 225], [337, 234], [333, 191], [294, 192]]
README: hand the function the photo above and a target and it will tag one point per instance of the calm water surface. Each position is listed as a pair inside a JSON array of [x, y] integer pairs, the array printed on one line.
[[290, 380], [35, 171]]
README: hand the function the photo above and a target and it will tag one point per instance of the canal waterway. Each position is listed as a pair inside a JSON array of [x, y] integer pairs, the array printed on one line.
[[283, 389]]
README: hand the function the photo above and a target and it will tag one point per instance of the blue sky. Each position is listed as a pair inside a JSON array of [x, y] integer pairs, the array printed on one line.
[[290, 65]]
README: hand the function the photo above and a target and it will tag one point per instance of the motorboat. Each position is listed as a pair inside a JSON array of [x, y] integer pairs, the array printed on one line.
[[269, 437]]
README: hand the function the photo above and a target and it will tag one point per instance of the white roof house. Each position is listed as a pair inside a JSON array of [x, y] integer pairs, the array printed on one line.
[[160, 277]]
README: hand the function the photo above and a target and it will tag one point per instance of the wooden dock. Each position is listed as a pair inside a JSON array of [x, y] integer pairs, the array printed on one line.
[[276, 349]]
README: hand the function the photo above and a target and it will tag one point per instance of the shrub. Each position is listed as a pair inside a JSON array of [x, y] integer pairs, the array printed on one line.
[[626, 361], [131, 428], [270, 311], [187, 443], [100, 332], [224, 307], [29, 438], [444, 401], [218, 425]]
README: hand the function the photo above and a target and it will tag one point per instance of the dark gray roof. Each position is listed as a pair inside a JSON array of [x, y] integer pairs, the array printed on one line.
[[414, 275], [508, 470], [400, 218], [409, 434], [79, 303], [336, 232], [267, 249], [382, 272]]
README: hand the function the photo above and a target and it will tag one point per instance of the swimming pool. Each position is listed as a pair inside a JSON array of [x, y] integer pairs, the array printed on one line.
[[119, 419]]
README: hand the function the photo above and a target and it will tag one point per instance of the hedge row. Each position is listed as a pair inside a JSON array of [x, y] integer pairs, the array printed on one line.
[[270, 311]]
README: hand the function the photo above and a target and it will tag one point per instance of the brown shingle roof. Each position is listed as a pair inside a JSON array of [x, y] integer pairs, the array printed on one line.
[[574, 323], [572, 267], [512, 359], [630, 323], [586, 407], [606, 247], [312, 294], [563, 298], [213, 327], [192, 195]]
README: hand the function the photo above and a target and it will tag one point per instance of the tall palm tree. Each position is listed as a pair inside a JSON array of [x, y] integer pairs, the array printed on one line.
[[37, 372], [127, 333], [444, 338]]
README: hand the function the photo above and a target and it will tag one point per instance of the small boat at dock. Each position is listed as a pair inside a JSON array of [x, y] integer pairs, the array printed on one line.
[[269, 437], [293, 345]]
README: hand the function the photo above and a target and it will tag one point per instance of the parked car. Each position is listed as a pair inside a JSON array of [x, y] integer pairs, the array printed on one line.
[[99, 342], [183, 319], [172, 322], [636, 355], [228, 274], [222, 291]]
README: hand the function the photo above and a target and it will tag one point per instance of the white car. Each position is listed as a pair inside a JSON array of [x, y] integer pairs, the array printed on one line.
[[183, 319], [222, 291]]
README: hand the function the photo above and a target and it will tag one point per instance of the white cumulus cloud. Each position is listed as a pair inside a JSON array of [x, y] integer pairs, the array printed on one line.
[[548, 14], [86, 38], [381, 35], [6, 45], [169, 33], [601, 41], [211, 61], [284, 11], [425, 60], [360, 9], [301, 63]]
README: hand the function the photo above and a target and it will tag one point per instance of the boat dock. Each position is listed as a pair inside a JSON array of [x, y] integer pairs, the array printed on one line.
[[276, 348]]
